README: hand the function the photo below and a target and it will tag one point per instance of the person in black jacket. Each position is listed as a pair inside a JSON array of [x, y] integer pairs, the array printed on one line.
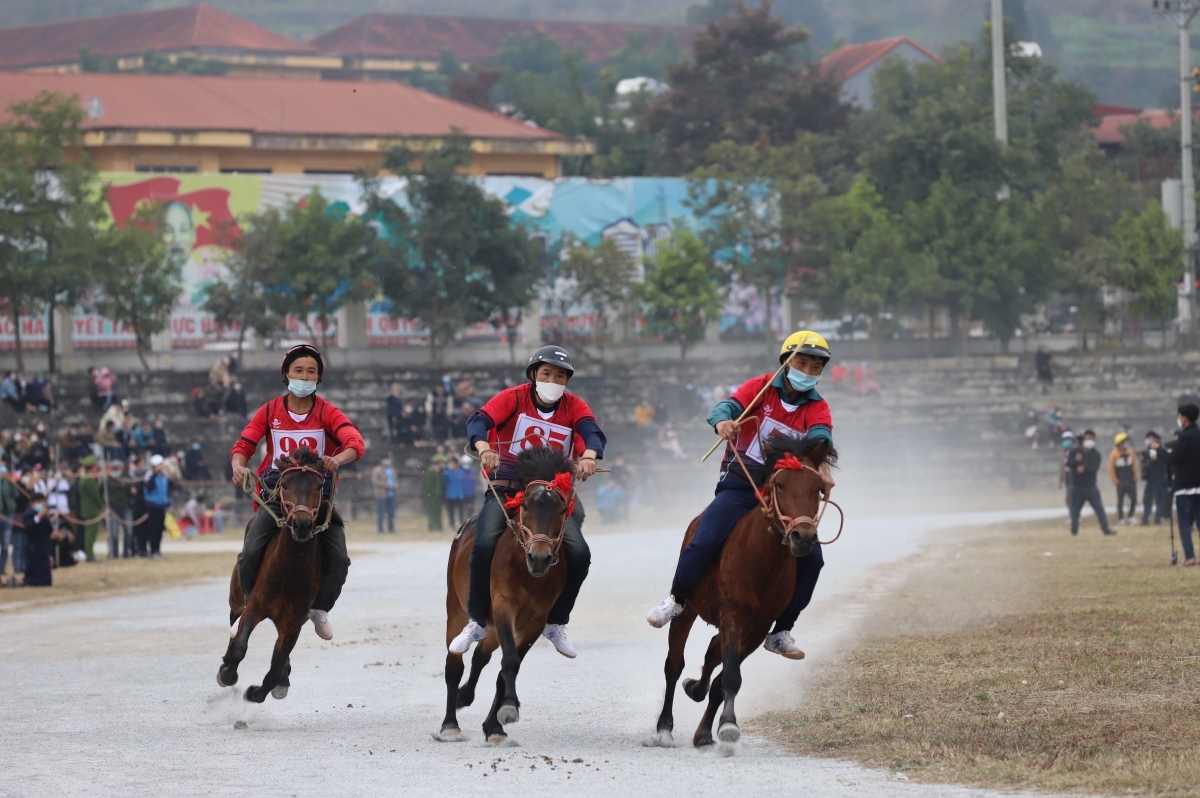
[[1083, 462], [1154, 471], [1185, 465]]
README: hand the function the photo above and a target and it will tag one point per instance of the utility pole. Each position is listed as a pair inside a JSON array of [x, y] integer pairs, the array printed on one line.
[[1182, 12], [999, 83]]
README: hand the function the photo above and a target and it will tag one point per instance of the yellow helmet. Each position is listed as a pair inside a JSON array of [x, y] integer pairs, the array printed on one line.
[[805, 342], [1120, 438]]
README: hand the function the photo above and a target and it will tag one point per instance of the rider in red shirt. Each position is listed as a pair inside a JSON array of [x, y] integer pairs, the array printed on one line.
[[539, 413], [790, 406], [298, 419]]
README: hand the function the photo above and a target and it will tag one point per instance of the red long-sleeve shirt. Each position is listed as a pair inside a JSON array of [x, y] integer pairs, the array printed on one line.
[[324, 429]]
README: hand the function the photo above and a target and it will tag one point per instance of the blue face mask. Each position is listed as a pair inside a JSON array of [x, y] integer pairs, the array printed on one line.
[[802, 382], [302, 388]]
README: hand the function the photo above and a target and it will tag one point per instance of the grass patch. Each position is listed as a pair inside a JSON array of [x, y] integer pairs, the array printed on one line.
[[1016, 656]]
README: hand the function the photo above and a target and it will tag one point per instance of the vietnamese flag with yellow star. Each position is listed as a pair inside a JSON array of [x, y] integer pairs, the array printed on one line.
[[212, 219]]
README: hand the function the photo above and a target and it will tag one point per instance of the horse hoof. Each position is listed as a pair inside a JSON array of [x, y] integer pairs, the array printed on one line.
[[449, 735], [702, 742], [662, 739], [280, 692], [729, 733], [251, 695], [689, 689], [226, 678], [499, 738], [508, 714]]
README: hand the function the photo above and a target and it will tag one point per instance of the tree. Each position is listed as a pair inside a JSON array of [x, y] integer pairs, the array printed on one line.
[[239, 299], [745, 85], [138, 282], [681, 292], [598, 279], [1153, 252], [451, 258]]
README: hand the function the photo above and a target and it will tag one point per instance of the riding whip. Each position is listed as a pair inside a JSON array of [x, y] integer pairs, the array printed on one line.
[[749, 408]]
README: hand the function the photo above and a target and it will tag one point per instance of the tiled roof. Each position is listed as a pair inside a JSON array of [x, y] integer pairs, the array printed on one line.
[[476, 38], [846, 62], [172, 29], [266, 105], [1109, 132]]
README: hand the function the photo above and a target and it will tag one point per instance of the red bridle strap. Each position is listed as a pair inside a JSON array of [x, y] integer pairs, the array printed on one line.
[[564, 486]]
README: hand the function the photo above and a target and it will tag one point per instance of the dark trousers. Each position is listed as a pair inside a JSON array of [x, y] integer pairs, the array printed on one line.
[[489, 526], [1088, 495], [335, 561], [156, 521], [1155, 496], [1126, 490], [734, 498], [1188, 507], [385, 508], [455, 513]]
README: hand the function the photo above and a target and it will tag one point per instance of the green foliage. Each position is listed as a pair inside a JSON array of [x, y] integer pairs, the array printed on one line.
[[599, 278], [681, 292], [451, 258], [240, 299], [1153, 251], [95, 61]]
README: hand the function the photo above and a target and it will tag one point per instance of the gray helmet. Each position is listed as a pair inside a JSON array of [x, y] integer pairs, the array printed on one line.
[[552, 355]]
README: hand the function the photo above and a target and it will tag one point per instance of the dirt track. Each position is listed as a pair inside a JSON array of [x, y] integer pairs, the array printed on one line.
[[118, 696]]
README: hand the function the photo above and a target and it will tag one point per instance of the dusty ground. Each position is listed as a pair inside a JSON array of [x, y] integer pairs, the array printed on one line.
[[1016, 656], [117, 696]]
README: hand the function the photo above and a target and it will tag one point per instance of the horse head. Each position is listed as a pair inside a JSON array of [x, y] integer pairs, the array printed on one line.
[[538, 514], [300, 481], [796, 471]]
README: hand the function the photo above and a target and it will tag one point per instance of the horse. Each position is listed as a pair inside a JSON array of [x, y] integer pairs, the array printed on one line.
[[288, 579], [527, 578], [748, 585]]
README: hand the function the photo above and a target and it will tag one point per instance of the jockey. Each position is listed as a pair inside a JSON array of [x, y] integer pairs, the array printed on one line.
[[791, 406], [298, 419], [540, 413]]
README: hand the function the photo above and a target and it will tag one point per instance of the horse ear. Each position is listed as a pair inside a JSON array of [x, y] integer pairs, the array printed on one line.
[[820, 454]]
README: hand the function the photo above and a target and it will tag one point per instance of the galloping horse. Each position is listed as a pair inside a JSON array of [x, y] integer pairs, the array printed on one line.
[[288, 578], [527, 578], [749, 584]]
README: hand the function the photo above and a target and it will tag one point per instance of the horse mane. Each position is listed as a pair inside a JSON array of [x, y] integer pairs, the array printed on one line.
[[302, 456], [542, 463], [780, 446]]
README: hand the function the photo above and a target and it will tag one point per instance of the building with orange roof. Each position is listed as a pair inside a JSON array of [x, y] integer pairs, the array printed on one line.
[[381, 46], [174, 123], [853, 65], [197, 31]]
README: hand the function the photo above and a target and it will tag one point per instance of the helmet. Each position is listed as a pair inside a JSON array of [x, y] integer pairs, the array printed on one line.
[[299, 351], [805, 342], [551, 355], [1120, 438]]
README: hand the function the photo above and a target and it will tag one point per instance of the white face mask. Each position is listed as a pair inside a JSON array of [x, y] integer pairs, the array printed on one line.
[[550, 392], [1089, 444]]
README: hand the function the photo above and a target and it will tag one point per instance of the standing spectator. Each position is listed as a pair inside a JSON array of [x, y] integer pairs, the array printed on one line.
[[38, 523], [105, 384], [160, 438], [437, 408], [235, 400], [91, 505], [220, 378], [1064, 470], [470, 486], [643, 414], [1044, 374], [8, 511], [1084, 462], [157, 497], [452, 492], [137, 505], [408, 426], [24, 486], [115, 493], [107, 438], [1123, 471], [383, 481], [394, 407], [1154, 471], [433, 492], [194, 467], [609, 499], [41, 394], [143, 438], [1185, 465], [10, 393]]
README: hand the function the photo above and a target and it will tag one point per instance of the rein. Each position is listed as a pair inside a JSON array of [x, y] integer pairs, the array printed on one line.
[[562, 484], [291, 508]]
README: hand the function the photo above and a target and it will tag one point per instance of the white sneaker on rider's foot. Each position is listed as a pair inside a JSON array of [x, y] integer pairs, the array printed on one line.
[[321, 624], [471, 633], [781, 643], [662, 614], [556, 633]]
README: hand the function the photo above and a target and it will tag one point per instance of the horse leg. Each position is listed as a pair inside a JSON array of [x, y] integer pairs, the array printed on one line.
[[505, 707], [703, 735], [454, 672], [479, 661], [696, 689], [733, 646], [227, 674], [289, 633], [285, 682], [677, 637]]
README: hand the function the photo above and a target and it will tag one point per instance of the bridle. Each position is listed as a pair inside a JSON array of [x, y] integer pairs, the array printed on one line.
[[562, 484], [290, 509]]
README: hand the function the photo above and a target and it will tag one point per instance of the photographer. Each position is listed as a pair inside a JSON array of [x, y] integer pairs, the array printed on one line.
[[1154, 471], [1184, 458], [1083, 463], [40, 538]]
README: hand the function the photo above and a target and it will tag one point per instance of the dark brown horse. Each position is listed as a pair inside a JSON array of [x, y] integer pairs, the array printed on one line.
[[749, 584], [288, 579], [527, 578]]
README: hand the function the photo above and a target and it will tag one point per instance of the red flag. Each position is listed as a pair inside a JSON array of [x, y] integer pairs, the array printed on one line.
[[206, 210]]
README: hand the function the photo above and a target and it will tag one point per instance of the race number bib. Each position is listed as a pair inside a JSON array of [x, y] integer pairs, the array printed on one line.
[[537, 432], [287, 441], [768, 428]]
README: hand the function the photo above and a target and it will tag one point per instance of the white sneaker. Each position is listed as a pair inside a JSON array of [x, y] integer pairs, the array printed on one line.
[[781, 643], [662, 614], [471, 633], [556, 633], [321, 624]]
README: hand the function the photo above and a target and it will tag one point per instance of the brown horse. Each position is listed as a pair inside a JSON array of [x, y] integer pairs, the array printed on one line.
[[527, 578], [288, 579], [749, 584]]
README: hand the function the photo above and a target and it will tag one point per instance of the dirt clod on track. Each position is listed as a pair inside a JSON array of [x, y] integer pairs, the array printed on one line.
[[125, 684]]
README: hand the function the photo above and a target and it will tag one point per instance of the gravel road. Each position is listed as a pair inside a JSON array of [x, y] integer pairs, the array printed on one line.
[[118, 696]]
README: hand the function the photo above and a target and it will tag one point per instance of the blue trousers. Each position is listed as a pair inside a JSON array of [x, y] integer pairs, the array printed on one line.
[[1155, 498], [734, 498], [1188, 508]]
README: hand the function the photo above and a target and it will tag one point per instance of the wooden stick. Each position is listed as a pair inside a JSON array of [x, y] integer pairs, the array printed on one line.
[[749, 407]]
